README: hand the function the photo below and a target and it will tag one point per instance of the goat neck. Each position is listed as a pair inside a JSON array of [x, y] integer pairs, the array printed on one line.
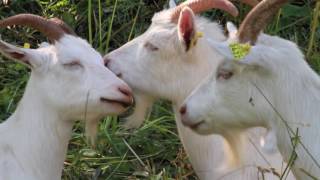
[[42, 150]]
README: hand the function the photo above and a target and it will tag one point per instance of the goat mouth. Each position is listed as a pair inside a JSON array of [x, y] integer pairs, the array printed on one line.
[[123, 103], [129, 111], [119, 75], [196, 126]]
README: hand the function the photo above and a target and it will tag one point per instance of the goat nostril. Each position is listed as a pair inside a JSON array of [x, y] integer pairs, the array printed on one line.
[[106, 61], [125, 91], [119, 75], [183, 110]]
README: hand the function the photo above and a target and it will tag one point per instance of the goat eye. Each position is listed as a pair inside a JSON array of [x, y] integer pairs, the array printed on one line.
[[150, 46], [73, 65], [224, 75]]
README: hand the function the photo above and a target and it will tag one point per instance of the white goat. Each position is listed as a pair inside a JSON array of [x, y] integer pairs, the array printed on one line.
[[68, 82], [272, 87], [157, 65]]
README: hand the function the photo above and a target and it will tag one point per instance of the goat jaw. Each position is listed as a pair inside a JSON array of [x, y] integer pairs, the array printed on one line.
[[143, 105]]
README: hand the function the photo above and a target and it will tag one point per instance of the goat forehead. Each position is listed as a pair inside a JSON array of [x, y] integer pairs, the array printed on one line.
[[162, 17], [159, 28], [160, 32], [73, 48]]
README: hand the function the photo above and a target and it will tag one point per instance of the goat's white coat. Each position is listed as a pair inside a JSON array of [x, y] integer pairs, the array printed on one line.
[[277, 68], [34, 140], [171, 73]]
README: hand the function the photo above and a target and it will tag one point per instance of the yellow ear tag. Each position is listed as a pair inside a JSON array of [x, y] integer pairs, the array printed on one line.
[[26, 45], [240, 51], [197, 36]]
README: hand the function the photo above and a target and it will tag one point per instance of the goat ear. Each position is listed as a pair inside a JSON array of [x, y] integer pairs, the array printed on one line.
[[186, 28], [24, 56], [232, 30]]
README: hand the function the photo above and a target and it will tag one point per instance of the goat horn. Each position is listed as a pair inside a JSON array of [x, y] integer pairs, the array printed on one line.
[[199, 6], [49, 28], [257, 19], [65, 27]]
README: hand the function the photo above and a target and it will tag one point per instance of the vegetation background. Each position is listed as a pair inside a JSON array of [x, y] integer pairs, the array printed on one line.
[[154, 150]]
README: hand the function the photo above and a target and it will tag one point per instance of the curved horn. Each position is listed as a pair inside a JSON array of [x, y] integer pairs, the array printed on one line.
[[257, 20], [65, 27], [50, 29], [199, 6]]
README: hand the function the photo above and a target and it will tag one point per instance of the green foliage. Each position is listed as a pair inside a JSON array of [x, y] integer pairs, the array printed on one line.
[[153, 151]]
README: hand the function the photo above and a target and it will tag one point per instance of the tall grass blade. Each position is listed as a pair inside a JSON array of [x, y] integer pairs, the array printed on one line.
[[90, 20], [314, 25], [100, 26], [135, 21], [110, 26]]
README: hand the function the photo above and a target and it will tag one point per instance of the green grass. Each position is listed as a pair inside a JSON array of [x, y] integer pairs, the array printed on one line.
[[154, 150]]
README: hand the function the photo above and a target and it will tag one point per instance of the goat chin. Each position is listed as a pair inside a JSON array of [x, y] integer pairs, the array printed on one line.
[[91, 129], [142, 107]]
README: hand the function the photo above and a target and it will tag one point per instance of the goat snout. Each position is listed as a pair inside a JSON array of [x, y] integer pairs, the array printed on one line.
[[106, 61], [126, 91], [186, 120], [127, 94], [183, 114], [123, 97]]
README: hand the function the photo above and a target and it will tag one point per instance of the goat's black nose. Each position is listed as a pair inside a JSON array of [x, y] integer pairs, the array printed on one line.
[[106, 61]]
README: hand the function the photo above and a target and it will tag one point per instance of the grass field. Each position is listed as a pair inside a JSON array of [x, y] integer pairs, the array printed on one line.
[[154, 150]]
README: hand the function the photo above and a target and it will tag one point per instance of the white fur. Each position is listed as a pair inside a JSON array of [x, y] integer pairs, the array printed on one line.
[[172, 73], [274, 68], [34, 140]]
